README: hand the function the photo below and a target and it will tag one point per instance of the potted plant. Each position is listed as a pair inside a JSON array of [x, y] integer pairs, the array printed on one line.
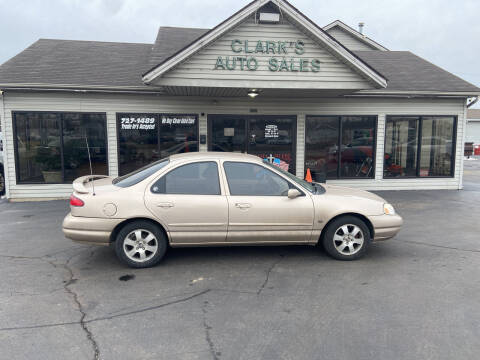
[[49, 161]]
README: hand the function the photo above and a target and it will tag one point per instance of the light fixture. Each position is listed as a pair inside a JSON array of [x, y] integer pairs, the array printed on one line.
[[253, 93]]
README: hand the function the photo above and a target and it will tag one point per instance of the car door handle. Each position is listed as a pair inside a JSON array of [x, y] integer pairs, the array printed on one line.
[[165, 205], [243, 205]]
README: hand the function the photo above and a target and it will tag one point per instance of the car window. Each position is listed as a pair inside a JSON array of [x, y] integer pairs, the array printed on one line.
[[254, 180], [140, 174], [200, 178]]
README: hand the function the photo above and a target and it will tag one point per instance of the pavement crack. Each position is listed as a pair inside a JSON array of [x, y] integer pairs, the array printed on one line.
[[215, 354], [110, 317], [267, 275], [439, 246], [80, 308]]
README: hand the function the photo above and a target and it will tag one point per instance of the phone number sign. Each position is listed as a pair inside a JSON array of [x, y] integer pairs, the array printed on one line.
[[138, 123]]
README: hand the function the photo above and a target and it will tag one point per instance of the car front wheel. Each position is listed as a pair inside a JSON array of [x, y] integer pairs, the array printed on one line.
[[346, 238], [140, 244]]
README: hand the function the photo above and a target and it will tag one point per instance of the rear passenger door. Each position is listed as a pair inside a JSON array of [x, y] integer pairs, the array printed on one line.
[[189, 201], [259, 208]]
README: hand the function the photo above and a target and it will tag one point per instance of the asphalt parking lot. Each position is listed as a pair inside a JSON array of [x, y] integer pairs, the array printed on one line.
[[414, 297]]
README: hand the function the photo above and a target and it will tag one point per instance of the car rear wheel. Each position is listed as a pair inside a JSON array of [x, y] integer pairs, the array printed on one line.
[[140, 244], [346, 238]]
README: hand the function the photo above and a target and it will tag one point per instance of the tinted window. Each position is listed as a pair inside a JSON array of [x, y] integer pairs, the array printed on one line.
[[144, 138], [401, 143], [321, 147], [75, 151], [339, 147], [436, 155], [254, 180], [194, 179], [138, 141], [419, 146], [51, 147], [140, 174]]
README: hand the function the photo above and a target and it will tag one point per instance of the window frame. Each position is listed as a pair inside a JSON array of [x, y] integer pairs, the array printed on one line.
[[419, 147], [339, 144], [60, 114], [157, 116], [168, 171], [294, 186]]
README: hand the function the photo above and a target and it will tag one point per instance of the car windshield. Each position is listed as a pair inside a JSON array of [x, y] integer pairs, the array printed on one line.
[[140, 174], [304, 184]]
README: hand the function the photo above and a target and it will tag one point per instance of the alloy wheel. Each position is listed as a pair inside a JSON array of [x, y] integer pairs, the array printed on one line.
[[140, 245], [348, 239]]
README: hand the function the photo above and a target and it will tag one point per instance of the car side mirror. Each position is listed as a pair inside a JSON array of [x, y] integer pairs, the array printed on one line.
[[293, 193]]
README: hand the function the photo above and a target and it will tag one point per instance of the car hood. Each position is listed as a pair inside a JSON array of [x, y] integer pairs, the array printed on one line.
[[349, 192]]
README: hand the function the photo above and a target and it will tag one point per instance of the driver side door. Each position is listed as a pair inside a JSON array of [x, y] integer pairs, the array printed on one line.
[[260, 210]]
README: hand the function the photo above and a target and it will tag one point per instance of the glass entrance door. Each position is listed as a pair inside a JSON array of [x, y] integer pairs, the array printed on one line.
[[270, 137]]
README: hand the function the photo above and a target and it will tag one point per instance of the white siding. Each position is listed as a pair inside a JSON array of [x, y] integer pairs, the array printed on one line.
[[113, 103], [199, 69], [473, 131], [348, 40]]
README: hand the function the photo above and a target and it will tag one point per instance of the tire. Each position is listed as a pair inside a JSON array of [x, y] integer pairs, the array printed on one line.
[[146, 252], [2, 181], [346, 238]]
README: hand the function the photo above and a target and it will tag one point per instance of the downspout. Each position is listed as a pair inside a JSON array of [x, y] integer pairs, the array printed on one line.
[[462, 145], [5, 144]]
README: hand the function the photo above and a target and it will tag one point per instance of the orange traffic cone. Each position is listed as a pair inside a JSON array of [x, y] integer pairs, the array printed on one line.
[[308, 177]]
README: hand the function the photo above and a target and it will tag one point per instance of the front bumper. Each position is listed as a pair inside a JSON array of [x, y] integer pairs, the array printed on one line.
[[386, 226], [95, 231]]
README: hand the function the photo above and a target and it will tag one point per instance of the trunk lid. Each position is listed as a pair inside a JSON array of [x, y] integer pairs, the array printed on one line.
[[86, 184]]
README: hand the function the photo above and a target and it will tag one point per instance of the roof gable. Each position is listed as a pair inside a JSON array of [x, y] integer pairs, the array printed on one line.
[[351, 38], [244, 58], [293, 16]]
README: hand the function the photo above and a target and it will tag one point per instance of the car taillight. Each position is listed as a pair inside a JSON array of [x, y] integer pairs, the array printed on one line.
[[74, 201]]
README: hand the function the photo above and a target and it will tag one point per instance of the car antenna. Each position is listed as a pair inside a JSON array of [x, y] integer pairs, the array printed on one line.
[[90, 162]]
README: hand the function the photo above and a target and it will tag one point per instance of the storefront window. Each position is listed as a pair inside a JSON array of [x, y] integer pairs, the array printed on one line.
[[419, 146], [271, 137], [340, 146], [75, 153], [145, 138], [51, 147]]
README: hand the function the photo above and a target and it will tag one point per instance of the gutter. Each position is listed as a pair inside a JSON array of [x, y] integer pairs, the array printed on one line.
[[81, 90]]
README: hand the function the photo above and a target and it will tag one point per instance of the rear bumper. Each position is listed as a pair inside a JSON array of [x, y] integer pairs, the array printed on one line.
[[386, 226], [95, 231]]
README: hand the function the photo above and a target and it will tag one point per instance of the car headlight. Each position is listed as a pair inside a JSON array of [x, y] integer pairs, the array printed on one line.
[[388, 209]]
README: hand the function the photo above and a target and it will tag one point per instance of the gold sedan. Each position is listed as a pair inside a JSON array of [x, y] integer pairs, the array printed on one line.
[[218, 199]]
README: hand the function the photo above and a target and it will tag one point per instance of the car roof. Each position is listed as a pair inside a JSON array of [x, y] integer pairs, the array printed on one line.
[[215, 155]]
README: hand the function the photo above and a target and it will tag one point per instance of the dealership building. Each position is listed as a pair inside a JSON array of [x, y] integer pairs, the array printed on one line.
[[266, 81]]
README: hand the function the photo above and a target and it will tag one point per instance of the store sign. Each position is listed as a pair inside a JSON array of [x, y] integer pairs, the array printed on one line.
[[271, 131], [137, 123], [285, 56], [178, 120]]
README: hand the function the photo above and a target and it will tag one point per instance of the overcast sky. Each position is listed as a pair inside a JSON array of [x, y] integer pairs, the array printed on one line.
[[445, 32]]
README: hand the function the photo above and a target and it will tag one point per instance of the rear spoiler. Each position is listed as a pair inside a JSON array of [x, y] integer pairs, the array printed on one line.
[[79, 184]]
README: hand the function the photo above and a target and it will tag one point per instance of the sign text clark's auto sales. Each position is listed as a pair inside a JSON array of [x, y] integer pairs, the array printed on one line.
[[284, 56]]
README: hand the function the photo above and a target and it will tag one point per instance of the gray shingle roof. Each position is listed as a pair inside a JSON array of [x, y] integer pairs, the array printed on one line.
[[67, 62], [406, 71], [92, 63], [170, 40]]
